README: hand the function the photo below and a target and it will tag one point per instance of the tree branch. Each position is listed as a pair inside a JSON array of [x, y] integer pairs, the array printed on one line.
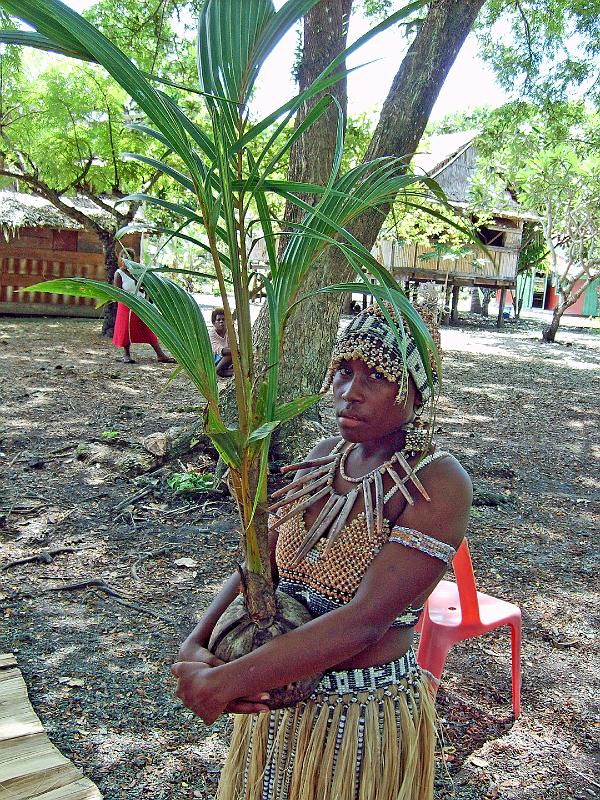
[[43, 190]]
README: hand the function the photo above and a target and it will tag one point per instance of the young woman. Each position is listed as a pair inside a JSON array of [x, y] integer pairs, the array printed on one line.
[[129, 328], [362, 537]]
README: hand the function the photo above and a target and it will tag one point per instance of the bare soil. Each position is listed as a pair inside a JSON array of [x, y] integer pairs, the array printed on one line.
[[96, 624]]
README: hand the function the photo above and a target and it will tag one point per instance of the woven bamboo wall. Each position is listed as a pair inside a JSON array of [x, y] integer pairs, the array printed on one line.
[[406, 258], [36, 255]]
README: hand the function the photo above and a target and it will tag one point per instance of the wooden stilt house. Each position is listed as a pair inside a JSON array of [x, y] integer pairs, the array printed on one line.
[[451, 160], [38, 242]]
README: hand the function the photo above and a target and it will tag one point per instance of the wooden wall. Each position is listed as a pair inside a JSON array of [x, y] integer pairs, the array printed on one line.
[[37, 254], [405, 262], [497, 265]]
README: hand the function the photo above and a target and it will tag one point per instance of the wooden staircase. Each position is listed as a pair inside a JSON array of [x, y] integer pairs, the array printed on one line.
[[31, 768]]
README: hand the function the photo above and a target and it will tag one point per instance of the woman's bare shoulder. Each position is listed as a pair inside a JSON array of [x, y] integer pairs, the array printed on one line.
[[446, 472], [445, 515]]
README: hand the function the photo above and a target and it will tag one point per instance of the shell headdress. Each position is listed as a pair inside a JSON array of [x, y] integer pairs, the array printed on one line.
[[369, 338]]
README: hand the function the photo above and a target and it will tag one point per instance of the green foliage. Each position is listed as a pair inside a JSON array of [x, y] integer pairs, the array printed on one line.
[[359, 130], [471, 119], [544, 49], [550, 156], [228, 177], [144, 31], [71, 125], [110, 435], [190, 482], [424, 225], [533, 255], [65, 124]]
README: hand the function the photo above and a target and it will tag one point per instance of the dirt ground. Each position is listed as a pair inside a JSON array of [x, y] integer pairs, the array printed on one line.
[[95, 625]]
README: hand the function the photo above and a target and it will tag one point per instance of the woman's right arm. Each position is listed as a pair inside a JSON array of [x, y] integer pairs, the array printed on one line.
[[195, 647], [117, 280]]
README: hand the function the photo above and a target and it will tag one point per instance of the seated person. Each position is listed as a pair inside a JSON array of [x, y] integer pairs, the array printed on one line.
[[220, 345]]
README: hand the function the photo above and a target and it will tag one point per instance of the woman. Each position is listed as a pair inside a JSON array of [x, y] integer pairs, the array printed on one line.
[[363, 547], [128, 326]]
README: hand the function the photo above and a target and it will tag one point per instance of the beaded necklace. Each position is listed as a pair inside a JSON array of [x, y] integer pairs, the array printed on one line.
[[318, 483]]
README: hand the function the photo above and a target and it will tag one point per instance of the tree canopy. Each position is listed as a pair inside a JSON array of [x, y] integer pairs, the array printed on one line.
[[543, 49], [551, 160]]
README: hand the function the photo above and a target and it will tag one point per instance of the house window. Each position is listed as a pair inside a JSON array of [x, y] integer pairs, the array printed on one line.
[[64, 240], [490, 237]]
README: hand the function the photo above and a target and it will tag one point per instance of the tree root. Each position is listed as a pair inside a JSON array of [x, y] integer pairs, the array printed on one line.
[[45, 557], [133, 499], [101, 585]]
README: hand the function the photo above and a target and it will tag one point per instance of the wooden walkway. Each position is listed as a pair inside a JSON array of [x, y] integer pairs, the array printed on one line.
[[31, 768]]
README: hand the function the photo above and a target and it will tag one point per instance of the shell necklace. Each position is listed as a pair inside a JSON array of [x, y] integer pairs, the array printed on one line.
[[318, 483]]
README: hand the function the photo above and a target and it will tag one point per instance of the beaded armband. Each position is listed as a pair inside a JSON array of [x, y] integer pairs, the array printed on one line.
[[409, 537]]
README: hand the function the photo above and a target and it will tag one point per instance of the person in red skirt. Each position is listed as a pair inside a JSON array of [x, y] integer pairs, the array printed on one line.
[[128, 326]]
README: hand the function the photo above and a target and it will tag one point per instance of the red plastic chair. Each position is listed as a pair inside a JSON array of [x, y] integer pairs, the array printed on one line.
[[457, 611]]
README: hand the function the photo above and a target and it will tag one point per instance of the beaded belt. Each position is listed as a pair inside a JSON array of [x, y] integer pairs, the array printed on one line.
[[403, 670]]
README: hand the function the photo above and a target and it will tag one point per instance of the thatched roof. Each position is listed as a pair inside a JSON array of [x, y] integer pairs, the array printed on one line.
[[20, 210], [437, 152], [451, 159]]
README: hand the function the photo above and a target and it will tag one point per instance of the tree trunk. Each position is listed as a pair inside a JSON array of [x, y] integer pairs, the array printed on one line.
[[110, 265], [549, 333], [313, 328], [475, 301], [311, 157], [485, 306], [500, 320], [519, 308], [454, 310]]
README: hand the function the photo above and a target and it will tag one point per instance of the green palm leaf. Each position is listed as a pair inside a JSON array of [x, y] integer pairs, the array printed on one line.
[[224, 183], [173, 315]]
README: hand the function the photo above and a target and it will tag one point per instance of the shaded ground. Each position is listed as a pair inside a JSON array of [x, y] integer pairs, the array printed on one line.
[[524, 419]]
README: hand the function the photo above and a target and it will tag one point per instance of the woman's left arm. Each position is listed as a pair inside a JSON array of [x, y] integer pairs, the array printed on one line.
[[394, 579]]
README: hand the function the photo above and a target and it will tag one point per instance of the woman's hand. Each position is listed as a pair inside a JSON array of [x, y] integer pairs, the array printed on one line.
[[190, 650], [199, 688]]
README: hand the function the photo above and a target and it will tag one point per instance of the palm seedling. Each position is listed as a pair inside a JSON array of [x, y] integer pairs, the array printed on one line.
[[228, 178]]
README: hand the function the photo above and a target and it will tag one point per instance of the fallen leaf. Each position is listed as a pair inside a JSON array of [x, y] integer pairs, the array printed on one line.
[[68, 681], [186, 562]]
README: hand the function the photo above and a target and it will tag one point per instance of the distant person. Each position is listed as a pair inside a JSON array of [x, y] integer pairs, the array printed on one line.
[[220, 344], [129, 328]]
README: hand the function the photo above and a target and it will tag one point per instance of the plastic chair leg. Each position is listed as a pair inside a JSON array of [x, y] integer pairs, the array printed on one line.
[[433, 650], [515, 641]]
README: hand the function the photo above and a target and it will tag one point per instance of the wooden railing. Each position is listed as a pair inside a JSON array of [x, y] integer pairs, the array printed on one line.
[[407, 258]]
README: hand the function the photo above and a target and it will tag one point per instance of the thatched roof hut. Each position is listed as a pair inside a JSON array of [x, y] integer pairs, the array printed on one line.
[[451, 160], [20, 210], [38, 242]]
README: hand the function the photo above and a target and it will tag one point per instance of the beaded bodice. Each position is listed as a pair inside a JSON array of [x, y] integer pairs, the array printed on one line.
[[327, 580], [330, 573]]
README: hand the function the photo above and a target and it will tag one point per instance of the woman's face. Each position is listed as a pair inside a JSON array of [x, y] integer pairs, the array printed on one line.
[[365, 402]]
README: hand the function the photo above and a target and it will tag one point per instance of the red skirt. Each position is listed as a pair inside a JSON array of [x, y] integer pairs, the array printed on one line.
[[130, 328]]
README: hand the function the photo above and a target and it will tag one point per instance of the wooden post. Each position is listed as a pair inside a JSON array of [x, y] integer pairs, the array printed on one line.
[[500, 320], [454, 311]]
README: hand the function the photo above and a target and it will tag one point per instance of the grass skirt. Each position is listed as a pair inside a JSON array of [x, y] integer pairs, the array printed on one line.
[[364, 734]]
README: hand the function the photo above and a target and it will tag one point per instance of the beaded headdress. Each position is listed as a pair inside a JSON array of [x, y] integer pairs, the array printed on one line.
[[369, 338]]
